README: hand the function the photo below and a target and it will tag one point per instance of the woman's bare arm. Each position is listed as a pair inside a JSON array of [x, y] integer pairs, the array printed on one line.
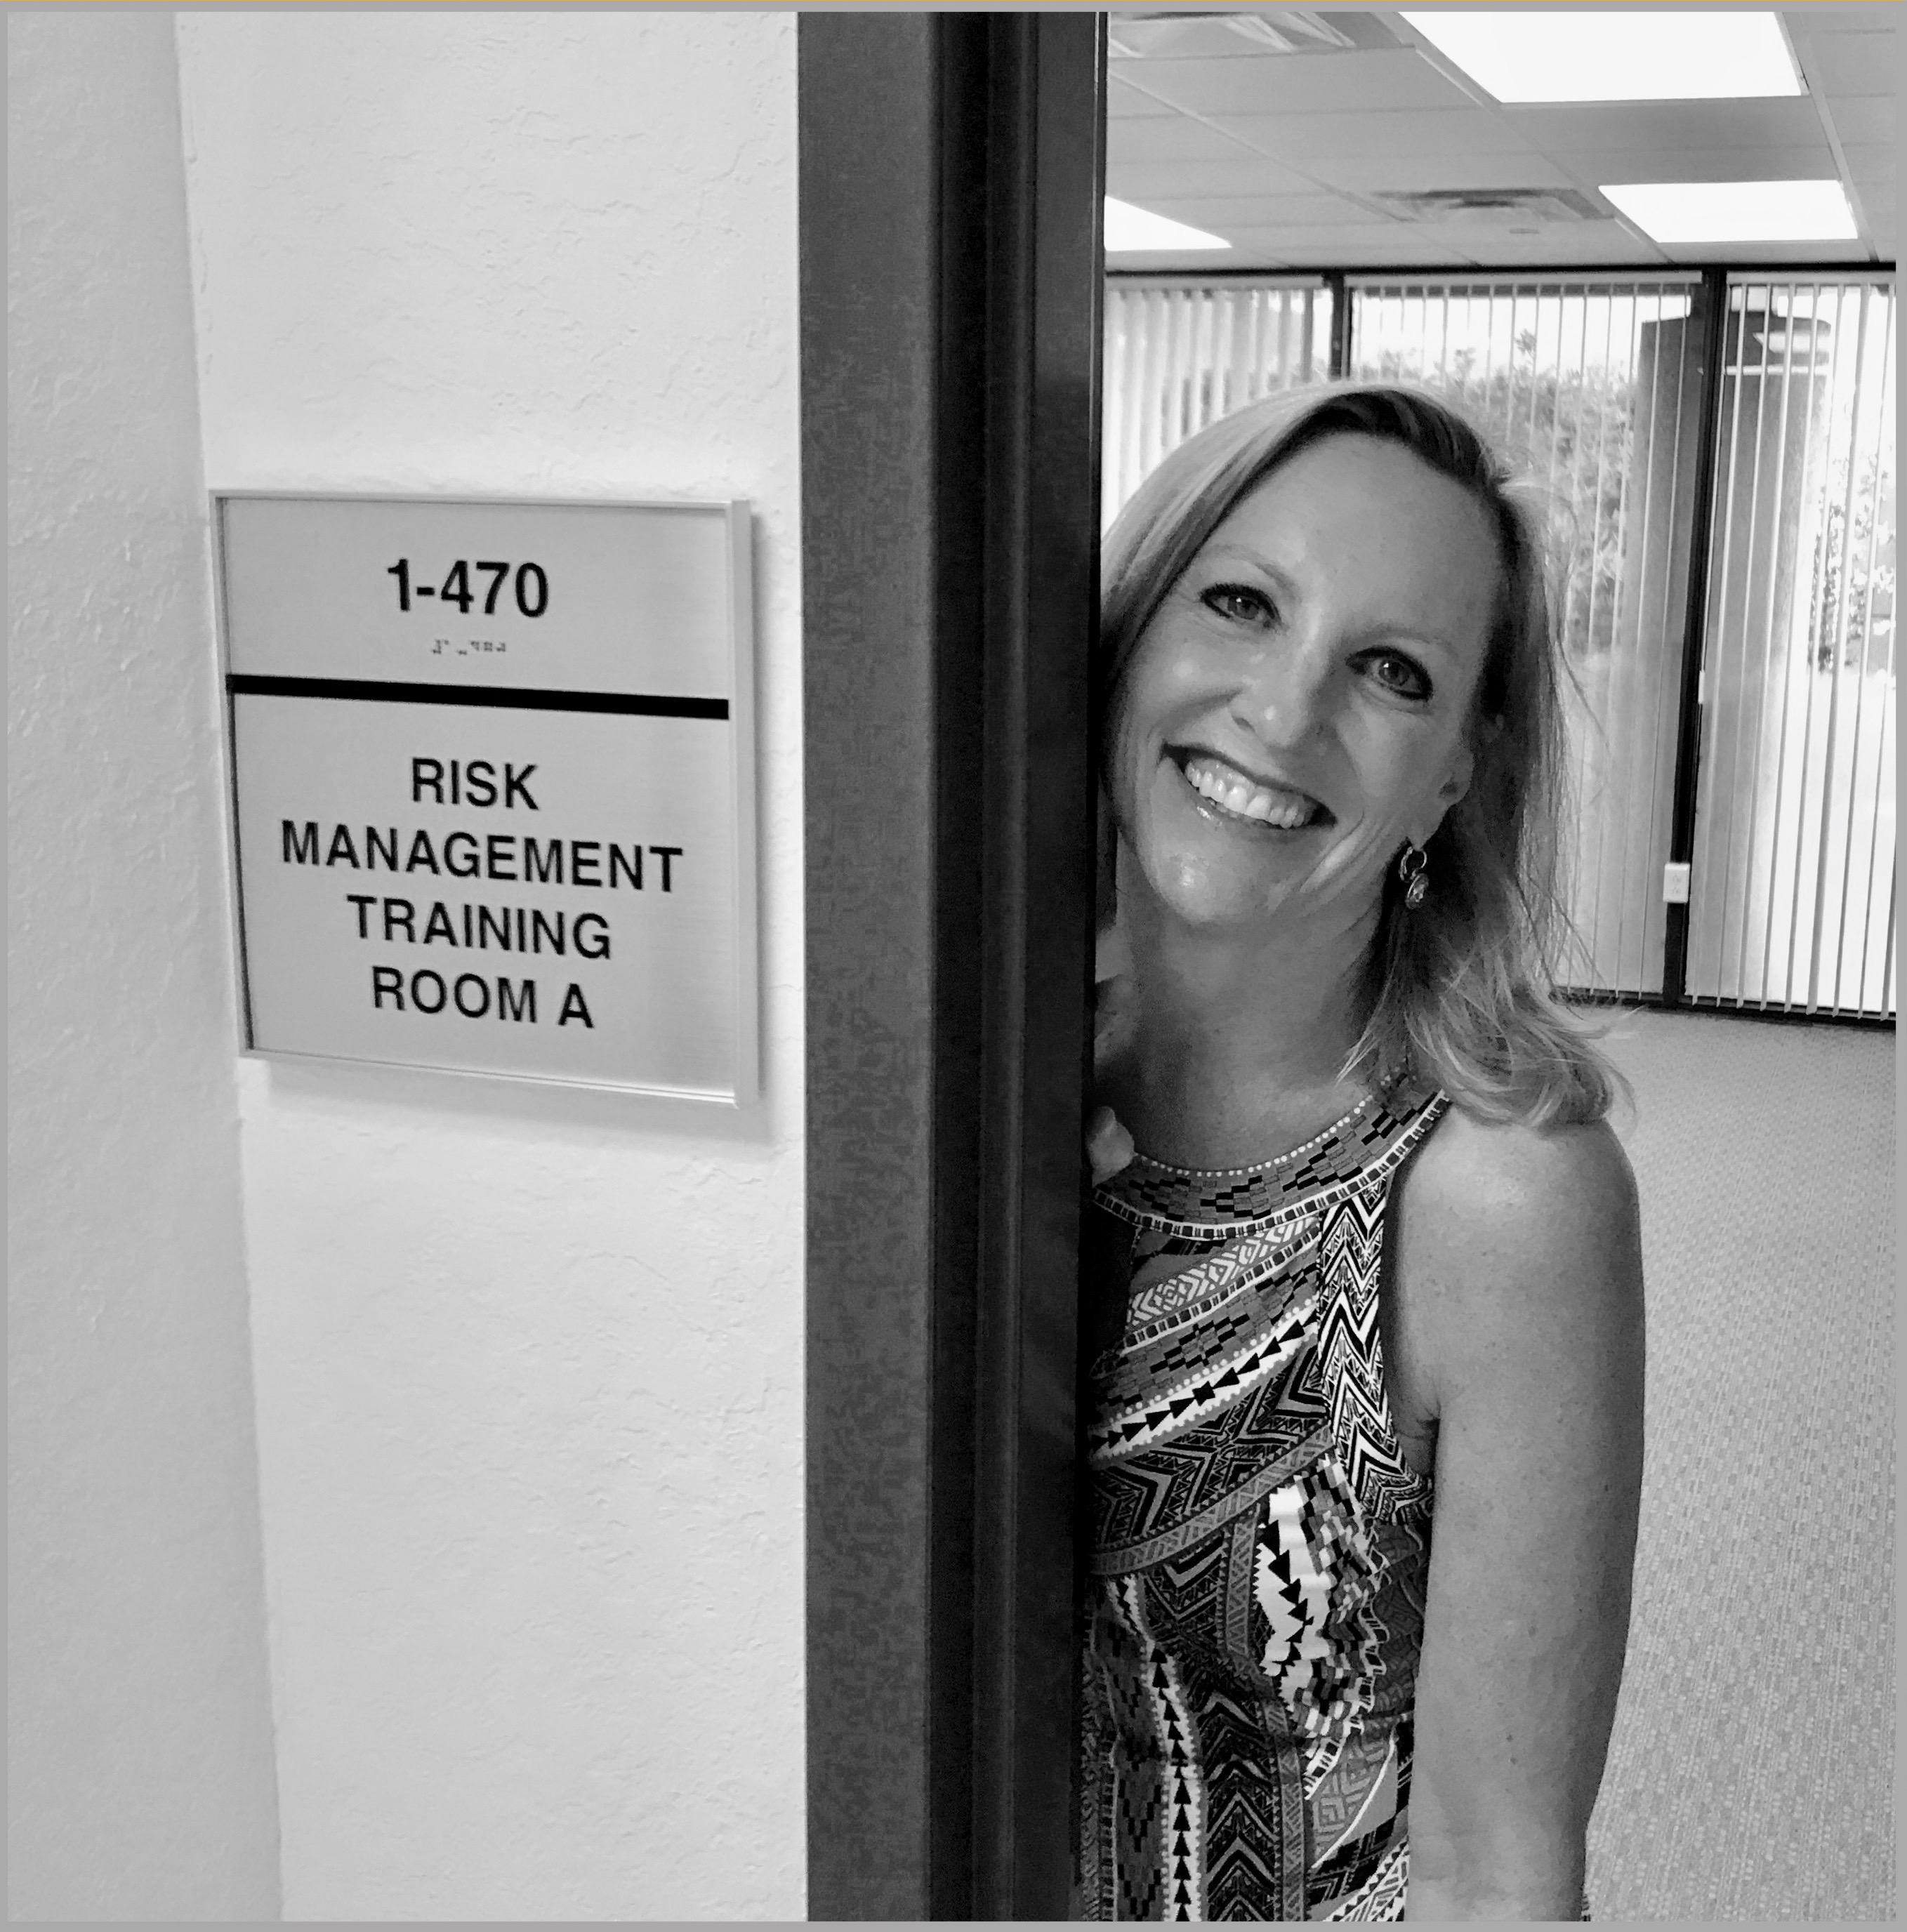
[[1519, 1273]]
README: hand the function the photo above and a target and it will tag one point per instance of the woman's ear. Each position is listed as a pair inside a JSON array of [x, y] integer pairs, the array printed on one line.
[[1462, 768], [1479, 741]]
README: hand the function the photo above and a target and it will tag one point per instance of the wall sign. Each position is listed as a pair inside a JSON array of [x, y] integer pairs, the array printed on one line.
[[493, 785]]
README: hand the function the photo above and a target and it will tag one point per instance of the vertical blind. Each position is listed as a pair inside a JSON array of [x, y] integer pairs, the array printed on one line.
[[1180, 355], [1593, 384], [1591, 387], [1791, 901]]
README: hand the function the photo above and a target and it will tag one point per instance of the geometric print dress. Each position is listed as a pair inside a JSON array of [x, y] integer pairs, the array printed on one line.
[[1255, 1610]]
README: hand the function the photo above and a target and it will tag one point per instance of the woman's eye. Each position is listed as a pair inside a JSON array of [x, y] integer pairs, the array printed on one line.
[[1398, 674], [1240, 602]]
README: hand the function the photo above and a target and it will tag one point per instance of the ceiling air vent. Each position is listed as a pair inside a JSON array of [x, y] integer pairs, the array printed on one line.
[[1490, 207]]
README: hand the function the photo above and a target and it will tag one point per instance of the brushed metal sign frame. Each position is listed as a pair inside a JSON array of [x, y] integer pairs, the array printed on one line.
[[745, 897]]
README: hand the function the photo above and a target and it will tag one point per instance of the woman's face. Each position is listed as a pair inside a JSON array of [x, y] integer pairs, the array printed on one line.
[[1298, 706]]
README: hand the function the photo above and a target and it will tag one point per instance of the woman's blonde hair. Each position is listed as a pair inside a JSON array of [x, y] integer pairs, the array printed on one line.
[[1461, 988]]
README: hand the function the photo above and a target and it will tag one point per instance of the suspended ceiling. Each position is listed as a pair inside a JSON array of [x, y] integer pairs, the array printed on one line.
[[1290, 156]]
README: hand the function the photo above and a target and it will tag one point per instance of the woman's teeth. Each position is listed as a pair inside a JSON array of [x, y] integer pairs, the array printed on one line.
[[1269, 804]]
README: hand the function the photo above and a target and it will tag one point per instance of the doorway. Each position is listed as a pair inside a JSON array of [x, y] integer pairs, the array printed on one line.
[[958, 319]]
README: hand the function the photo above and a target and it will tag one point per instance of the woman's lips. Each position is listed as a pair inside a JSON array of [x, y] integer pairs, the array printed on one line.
[[1222, 786]]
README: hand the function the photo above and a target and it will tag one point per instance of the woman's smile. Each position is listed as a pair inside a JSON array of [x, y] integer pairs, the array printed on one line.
[[1298, 707], [1224, 792]]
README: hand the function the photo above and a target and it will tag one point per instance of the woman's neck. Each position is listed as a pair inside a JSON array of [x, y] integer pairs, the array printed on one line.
[[1238, 1036]]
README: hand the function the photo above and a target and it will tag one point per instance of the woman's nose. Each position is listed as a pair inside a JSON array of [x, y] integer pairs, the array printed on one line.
[[1284, 695]]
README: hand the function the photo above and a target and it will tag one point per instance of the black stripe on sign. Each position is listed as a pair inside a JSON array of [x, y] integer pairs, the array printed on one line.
[[505, 697]]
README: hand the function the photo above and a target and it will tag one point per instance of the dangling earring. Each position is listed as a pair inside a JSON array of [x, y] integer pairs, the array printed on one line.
[[1412, 869]]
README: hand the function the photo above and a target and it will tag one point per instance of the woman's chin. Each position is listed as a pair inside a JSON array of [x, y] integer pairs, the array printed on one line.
[[1201, 891], [1200, 895]]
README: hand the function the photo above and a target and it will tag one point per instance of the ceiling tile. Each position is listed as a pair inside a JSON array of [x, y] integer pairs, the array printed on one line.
[[1814, 162], [1327, 248], [1876, 210], [1874, 164], [1249, 174], [1194, 37], [1252, 146], [1302, 139], [1852, 63], [1865, 117], [1604, 243], [1177, 260], [1451, 171], [1173, 137], [1121, 100], [1610, 127], [1228, 215], [1372, 83], [1770, 254], [1266, 262], [1824, 17], [1566, 240]]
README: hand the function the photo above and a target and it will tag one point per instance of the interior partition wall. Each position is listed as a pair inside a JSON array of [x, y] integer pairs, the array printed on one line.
[[1715, 451]]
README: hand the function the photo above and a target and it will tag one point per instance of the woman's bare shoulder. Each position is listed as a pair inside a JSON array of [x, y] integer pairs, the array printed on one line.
[[1512, 1179], [1516, 1242]]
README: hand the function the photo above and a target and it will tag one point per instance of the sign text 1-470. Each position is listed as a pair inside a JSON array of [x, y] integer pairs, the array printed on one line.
[[532, 587]]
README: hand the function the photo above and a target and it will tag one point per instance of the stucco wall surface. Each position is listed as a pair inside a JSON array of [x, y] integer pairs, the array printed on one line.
[[528, 1359], [139, 1752]]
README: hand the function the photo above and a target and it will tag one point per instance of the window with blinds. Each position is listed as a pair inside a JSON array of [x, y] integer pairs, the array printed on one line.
[[1595, 385], [1791, 882], [1594, 389], [1180, 355]]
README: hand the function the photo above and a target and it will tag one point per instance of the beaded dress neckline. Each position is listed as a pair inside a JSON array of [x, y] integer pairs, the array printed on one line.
[[1382, 1091]]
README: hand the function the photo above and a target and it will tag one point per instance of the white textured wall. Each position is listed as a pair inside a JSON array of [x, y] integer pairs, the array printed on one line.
[[139, 1742], [528, 1360]]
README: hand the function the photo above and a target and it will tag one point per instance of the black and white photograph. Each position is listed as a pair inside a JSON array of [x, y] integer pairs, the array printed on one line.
[[951, 961]]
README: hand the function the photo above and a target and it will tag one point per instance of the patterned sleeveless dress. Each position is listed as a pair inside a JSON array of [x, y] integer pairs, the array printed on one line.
[[1260, 1548]]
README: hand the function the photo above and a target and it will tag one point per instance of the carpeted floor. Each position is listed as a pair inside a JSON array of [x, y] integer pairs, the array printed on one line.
[[1751, 1774]]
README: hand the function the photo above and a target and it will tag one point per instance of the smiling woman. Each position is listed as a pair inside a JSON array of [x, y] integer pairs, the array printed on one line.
[[1371, 1258]]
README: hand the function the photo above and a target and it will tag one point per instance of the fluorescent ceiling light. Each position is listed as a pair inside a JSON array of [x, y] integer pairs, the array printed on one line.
[[1131, 230], [1608, 54], [1754, 210]]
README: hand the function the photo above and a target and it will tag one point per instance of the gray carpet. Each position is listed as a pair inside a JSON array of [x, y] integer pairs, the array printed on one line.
[[1751, 1774]]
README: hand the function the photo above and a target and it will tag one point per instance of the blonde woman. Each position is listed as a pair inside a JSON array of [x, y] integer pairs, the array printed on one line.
[[1367, 1430]]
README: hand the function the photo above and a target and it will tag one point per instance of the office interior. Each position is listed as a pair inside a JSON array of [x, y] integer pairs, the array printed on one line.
[[406, 1500], [1712, 421]]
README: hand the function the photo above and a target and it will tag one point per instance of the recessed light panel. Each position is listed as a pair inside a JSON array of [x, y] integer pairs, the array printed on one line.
[[1132, 231], [1610, 55], [1754, 210]]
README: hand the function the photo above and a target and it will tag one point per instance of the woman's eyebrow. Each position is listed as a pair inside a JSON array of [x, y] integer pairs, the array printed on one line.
[[1402, 629], [1257, 559], [1239, 550]]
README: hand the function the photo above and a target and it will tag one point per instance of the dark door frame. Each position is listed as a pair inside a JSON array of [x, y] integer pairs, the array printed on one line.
[[951, 173]]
